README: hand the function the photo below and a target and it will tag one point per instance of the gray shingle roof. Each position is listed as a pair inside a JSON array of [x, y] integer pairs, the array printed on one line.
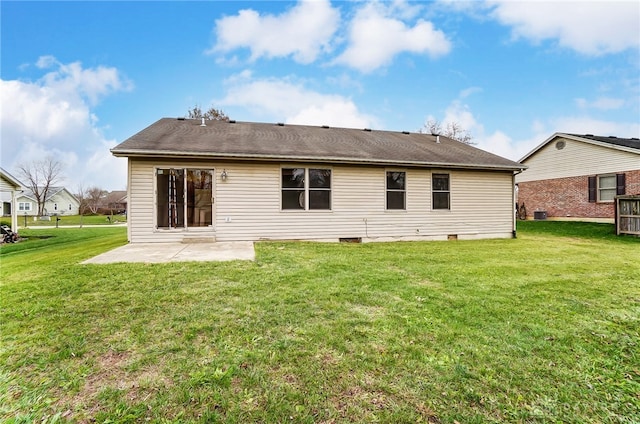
[[634, 143], [171, 137]]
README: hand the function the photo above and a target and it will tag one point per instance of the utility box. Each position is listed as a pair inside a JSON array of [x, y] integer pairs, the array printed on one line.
[[540, 215]]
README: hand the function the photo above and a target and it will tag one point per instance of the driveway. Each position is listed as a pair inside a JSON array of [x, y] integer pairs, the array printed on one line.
[[177, 252]]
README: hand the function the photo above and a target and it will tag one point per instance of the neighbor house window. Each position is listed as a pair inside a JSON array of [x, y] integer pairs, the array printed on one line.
[[440, 191], [396, 190], [306, 189], [604, 188], [24, 206]]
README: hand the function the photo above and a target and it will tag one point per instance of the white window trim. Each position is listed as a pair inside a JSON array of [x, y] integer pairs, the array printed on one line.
[[306, 189], [387, 190], [600, 189], [433, 208]]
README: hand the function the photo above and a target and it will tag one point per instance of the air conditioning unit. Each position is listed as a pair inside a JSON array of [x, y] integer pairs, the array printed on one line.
[[540, 215]]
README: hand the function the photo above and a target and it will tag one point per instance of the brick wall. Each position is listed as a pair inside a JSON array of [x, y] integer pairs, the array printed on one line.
[[569, 197]]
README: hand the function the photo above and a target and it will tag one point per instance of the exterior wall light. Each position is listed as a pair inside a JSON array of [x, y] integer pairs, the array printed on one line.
[[223, 175]]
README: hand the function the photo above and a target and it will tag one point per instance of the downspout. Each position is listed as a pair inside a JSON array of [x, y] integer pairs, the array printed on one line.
[[513, 202]]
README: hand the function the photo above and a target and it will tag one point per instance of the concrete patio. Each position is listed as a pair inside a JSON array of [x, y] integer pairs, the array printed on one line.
[[177, 252]]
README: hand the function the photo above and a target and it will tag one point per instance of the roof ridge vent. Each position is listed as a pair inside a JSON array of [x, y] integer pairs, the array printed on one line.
[[325, 126], [181, 118], [612, 136], [406, 132], [367, 129], [231, 121], [280, 124], [588, 135]]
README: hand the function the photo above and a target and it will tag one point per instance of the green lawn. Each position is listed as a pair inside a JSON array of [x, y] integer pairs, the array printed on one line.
[[71, 220], [543, 328]]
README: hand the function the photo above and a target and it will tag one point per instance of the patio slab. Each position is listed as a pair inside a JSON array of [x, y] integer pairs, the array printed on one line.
[[177, 252]]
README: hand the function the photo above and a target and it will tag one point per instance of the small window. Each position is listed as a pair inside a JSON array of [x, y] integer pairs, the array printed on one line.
[[606, 188], [55, 206], [24, 206], [69, 206], [300, 184], [441, 193], [396, 190]]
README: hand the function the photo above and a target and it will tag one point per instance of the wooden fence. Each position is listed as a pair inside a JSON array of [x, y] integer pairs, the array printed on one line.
[[628, 215]]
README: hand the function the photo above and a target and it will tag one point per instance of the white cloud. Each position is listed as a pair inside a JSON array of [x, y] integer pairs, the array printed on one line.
[[303, 32], [52, 117], [286, 100], [602, 103], [588, 27], [376, 37]]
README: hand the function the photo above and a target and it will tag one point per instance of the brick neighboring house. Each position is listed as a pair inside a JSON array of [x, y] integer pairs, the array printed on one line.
[[573, 176]]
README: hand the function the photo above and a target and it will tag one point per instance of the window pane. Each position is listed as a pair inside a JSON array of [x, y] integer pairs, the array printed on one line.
[[441, 200], [293, 177], [395, 200], [607, 195], [608, 182], [319, 199], [395, 180], [320, 178], [441, 182], [170, 198], [292, 199]]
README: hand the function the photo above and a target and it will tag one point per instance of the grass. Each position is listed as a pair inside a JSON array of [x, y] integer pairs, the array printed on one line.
[[72, 220], [543, 328]]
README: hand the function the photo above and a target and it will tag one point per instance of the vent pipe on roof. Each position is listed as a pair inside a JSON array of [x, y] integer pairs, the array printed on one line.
[[438, 138], [203, 124]]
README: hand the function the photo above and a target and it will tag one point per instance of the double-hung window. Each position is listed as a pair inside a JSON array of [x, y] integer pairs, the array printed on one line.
[[24, 206], [441, 193], [306, 189], [396, 190], [606, 188]]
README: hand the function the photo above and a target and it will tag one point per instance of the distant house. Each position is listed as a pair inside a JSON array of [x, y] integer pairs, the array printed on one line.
[[573, 176], [114, 202], [10, 188], [59, 201], [225, 181]]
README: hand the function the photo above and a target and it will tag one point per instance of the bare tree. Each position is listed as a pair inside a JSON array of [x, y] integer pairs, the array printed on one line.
[[81, 195], [453, 130], [41, 176], [94, 197], [212, 114]]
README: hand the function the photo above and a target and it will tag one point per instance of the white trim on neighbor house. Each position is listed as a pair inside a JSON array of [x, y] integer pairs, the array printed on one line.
[[9, 188]]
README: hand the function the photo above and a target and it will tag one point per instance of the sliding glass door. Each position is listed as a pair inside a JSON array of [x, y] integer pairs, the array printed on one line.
[[184, 198]]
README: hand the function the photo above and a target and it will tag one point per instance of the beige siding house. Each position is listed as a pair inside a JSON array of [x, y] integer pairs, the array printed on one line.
[[59, 201], [10, 188], [230, 181], [572, 176]]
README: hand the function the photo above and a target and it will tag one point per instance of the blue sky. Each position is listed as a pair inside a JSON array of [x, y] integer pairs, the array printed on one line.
[[77, 78]]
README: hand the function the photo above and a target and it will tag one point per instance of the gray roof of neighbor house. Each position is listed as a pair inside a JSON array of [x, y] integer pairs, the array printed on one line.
[[170, 137], [627, 144], [27, 192]]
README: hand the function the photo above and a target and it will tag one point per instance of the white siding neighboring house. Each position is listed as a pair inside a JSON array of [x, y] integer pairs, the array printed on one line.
[[59, 201], [10, 187], [230, 181]]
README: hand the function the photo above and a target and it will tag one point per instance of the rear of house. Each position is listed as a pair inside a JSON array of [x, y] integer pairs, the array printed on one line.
[[572, 176], [230, 181]]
